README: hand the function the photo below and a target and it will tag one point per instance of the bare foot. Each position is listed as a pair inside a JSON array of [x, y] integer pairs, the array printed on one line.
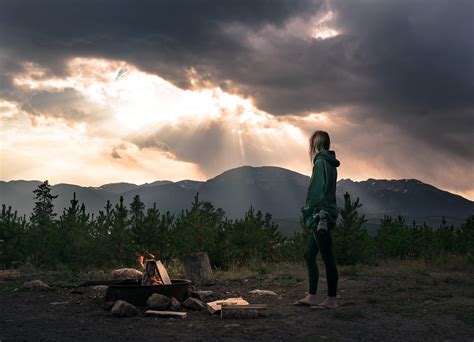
[[310, 299], [328, 303]]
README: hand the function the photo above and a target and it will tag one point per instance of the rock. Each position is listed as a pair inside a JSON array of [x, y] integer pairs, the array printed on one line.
[[126, 273], [100, 291], [123, 309], [75, 291], [175, 304], [263, 293], [108, 306], [158, 302], [99, 287], [36, 285], [193, 303], [202, 295]]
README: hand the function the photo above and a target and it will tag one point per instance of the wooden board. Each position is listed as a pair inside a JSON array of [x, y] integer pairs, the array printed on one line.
[[231, 306], [163, 273], [216, 305], [165, 313]]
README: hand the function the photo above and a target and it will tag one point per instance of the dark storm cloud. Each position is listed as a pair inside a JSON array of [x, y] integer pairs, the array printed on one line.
[[413, 53], [164, 36], [407, 63]]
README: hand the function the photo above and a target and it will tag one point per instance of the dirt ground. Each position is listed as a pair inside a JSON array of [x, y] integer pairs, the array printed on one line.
[[391, 302]]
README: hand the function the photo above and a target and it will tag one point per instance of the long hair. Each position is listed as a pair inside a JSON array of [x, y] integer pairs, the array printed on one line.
[[318, 141]]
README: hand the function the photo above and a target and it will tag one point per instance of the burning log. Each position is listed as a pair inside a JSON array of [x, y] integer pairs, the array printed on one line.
[[150, 273], [154, 272]]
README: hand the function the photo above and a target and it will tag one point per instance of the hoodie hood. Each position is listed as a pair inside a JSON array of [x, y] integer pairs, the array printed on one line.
[[328, 155]]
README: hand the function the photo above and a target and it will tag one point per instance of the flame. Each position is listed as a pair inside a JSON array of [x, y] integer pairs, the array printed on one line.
[[150, 256], [140, 261]]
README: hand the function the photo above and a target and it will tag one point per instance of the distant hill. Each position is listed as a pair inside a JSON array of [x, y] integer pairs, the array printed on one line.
[[276, 190], [410, 198], [117, 188]]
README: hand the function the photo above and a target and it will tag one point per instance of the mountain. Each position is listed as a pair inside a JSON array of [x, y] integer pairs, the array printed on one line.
[[18, 194], [271, 189], [406, 197], [117, 188], [276, 190], [410, 198]]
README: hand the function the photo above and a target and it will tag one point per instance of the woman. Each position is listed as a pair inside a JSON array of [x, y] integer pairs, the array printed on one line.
[[320, 214]]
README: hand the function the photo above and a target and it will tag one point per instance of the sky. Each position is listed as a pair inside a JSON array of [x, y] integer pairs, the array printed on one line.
[[94, 92]]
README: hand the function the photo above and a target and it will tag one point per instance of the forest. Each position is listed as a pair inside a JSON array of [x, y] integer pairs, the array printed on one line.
[[121, 232]]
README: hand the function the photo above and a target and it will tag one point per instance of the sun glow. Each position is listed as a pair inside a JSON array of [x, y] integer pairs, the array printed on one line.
[[324, 27], [137, 123]]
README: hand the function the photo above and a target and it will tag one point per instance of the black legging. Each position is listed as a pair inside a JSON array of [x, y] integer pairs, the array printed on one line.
[[321, 241]]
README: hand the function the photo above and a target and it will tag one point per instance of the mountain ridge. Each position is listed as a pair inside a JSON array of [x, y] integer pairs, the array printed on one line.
[[276, 190]]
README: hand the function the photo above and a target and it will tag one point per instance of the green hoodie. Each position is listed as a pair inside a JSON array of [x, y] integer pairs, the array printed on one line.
[[322, 188]]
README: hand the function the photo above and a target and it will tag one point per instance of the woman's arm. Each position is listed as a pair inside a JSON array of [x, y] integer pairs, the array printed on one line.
[[317, 184]]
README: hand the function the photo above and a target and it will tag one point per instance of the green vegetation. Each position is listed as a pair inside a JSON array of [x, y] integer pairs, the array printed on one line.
[[118, 234]]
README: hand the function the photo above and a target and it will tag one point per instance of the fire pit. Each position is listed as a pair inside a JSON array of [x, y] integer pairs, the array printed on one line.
[[133, 292]]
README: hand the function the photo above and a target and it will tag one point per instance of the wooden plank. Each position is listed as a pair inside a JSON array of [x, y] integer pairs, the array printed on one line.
[[165, 313], [216, 305], [163, 273], [227, 306]]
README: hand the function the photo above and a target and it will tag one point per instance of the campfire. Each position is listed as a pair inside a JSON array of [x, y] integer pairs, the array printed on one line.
[[154, 273], [152, 288]]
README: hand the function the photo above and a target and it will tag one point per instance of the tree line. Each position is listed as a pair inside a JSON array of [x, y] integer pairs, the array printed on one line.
[[120, 232]]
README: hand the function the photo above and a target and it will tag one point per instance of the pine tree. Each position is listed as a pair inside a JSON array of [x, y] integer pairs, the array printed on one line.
[[156, 233], [136, 211], [136, 221], [43, 211], [120, 234], [12, 234], [352, 243], [43, 238], [445, 237], [465, 238], [100, 230], [255, 237], [198, 229], [393, 238], [73, 228]]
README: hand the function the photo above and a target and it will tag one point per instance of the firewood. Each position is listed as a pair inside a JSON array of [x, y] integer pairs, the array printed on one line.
[[165, 313], [215, 306], [163, 273], [149, 273]]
